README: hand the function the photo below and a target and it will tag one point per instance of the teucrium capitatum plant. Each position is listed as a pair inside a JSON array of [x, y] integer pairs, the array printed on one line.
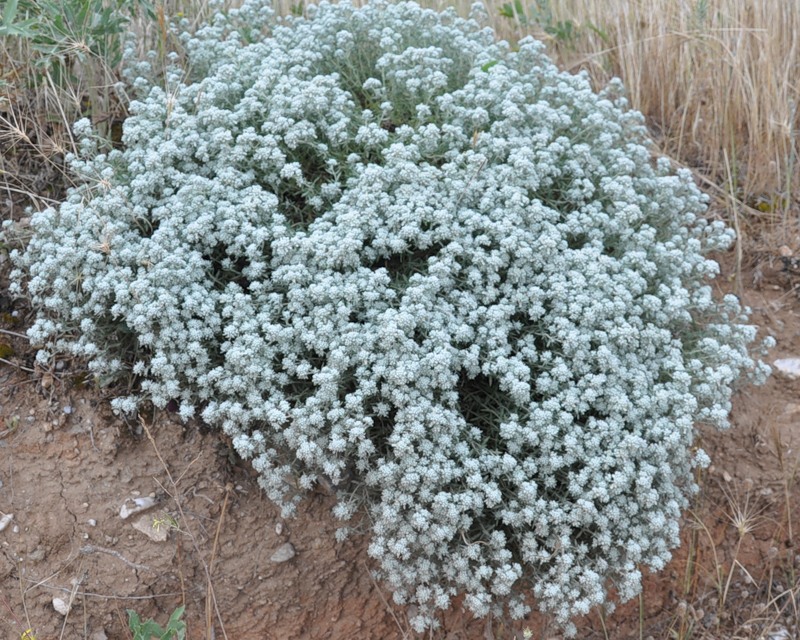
[[377, 247]]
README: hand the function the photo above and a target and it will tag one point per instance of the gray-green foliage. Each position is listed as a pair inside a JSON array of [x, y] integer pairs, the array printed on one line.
[[375, 246]]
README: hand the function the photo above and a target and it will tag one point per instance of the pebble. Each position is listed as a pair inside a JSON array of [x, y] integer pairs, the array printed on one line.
[[6, 520], [283, 553], [792, 408], [145, 524], [139, 504], [279, 528], [61, 606], [68, 409], [37, 554], [91, 522], [790, 367]]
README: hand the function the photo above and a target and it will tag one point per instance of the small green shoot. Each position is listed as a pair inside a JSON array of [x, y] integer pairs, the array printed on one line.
[[175, 630]]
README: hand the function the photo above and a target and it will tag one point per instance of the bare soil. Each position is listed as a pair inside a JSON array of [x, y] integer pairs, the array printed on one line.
[[68, 465]]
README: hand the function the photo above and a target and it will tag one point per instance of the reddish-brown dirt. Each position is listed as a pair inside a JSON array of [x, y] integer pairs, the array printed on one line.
[[66, 474]]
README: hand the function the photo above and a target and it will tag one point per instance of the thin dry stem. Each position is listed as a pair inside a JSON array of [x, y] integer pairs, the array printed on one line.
[[176, 498]]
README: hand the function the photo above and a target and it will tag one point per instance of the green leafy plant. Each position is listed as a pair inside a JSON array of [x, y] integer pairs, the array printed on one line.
[[65, 32], [175, 629], [540, 14]]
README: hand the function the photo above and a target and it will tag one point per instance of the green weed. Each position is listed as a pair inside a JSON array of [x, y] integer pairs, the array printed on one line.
[[175, 629]]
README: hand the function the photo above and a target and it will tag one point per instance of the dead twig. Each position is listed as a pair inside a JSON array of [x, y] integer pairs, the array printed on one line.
[[90, 548]]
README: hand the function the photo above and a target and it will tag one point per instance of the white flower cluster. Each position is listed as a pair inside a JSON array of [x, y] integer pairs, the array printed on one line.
[[377, 247]]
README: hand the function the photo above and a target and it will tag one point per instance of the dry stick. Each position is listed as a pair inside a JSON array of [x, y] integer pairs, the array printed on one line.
[[107, 596], [188, 529], [736, 226], [89, 548], [180, 572], [385, 603], [22, 593], [75, 583], [13, 333], [209, 629], [17, 366], [7, 605], [24, 192]]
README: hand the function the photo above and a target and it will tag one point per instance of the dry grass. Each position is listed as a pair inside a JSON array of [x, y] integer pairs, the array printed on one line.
[[715, 78]]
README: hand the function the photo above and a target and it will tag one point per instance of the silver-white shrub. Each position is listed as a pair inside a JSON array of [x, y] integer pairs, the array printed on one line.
[[377, 247]]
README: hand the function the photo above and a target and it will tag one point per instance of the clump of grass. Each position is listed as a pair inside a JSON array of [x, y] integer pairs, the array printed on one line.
[[728, 591], [61, 61]]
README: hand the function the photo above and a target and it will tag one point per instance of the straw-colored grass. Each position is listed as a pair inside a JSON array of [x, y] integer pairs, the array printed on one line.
[[719, 80]]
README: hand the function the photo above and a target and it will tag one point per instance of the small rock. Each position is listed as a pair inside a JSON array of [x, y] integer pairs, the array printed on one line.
[[6, 520], [792, 408], [36, 555], [790, 367], [91, 522], [139, 505], [283, 553], [67, 409], [726, 476], [148, 527], [279, 528], [61, 606], [98, 635]]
